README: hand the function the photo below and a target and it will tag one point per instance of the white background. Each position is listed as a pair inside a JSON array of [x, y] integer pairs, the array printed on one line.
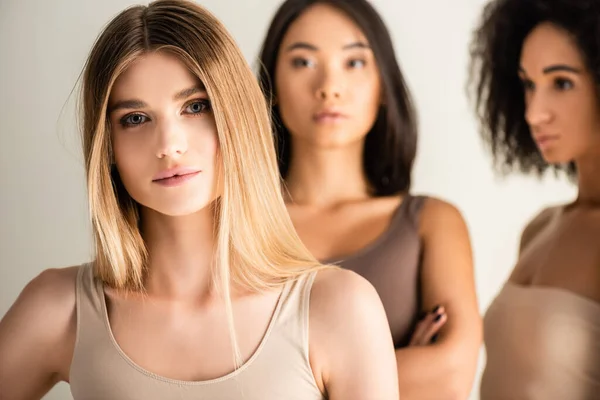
[[43, 209]]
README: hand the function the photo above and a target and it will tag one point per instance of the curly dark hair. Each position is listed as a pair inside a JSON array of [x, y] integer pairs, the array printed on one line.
[[390, 145], [494, 81]]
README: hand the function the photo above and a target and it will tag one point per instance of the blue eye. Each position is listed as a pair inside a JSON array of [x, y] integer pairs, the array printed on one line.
[[133, 120], [197, 107]]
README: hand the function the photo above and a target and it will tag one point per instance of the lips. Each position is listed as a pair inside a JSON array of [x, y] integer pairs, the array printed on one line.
[[329, 115], [545, 138], [544, 141], [174, 173]]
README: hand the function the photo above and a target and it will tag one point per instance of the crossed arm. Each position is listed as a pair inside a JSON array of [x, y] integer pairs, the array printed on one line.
[[443, 370]]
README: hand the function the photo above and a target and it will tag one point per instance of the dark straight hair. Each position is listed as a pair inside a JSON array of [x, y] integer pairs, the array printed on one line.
[[391, 144]]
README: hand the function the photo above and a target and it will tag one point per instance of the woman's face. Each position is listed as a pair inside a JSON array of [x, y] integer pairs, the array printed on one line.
[[164, 136], [561, 100], [327, 83]]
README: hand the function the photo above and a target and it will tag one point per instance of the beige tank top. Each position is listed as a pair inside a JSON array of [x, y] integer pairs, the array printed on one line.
[[542, 344], [279, 369]]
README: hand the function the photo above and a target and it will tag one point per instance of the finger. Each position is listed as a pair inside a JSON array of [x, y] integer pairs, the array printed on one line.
[[417, 334], [424, 337], [423, 326], [419, 329], [434, 328]]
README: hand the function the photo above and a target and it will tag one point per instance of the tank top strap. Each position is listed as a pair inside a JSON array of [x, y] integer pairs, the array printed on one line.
[[409, 209], [293, 317], [93, 335], [90, 300]]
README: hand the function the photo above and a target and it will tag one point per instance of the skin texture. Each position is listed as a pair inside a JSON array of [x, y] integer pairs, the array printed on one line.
[[560, 96], [336, 73], [559, 247], [325, 64], [180, 323]]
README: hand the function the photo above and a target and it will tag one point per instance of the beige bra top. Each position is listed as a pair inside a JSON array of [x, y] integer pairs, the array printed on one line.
[[542, 344]]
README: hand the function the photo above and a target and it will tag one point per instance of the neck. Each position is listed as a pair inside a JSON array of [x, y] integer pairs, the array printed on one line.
[[326, 176], [588, 178], [180, 253]]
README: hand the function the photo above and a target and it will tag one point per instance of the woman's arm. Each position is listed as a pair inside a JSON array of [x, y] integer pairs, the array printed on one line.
[[37, 336], [351, 347], [444, 370]]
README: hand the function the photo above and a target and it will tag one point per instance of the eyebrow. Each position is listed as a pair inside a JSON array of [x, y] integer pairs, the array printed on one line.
[[185, 93], [312, 47], [556, 68], [135, 103]]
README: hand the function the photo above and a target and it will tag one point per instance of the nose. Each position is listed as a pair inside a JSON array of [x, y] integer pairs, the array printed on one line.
[[172, 140], [538, 109], [329, 86]]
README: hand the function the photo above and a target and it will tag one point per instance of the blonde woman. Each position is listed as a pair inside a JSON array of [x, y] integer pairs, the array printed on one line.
[[200, 288]]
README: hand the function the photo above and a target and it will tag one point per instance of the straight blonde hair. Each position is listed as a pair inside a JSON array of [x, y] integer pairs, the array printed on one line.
[[257, 247]]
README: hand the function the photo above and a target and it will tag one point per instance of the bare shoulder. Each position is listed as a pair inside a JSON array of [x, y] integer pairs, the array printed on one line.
[[47, 302], [43, 317], [52, 290], [541, 218], [436, 207], [536, 224], [337, 290], [350, 344], [342, 303], [439, 214]]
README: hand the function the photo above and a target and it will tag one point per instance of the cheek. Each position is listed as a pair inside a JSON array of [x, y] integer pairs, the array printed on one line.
[[586, 125], [133, 154], [132, 172], [284, 84], [292, 90], [203, 141], [207, 155], [592, 115], [370, 85], [286, 78], [367, 96], [579, 119], [294, 102], [209, 150]]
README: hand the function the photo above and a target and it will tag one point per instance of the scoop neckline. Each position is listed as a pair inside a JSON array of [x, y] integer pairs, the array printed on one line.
[[377, 241], [158, 377]]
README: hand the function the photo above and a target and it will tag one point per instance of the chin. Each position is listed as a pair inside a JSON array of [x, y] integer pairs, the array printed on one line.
[[181, 212], [183, 208], [334, 140], [555, 158]]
